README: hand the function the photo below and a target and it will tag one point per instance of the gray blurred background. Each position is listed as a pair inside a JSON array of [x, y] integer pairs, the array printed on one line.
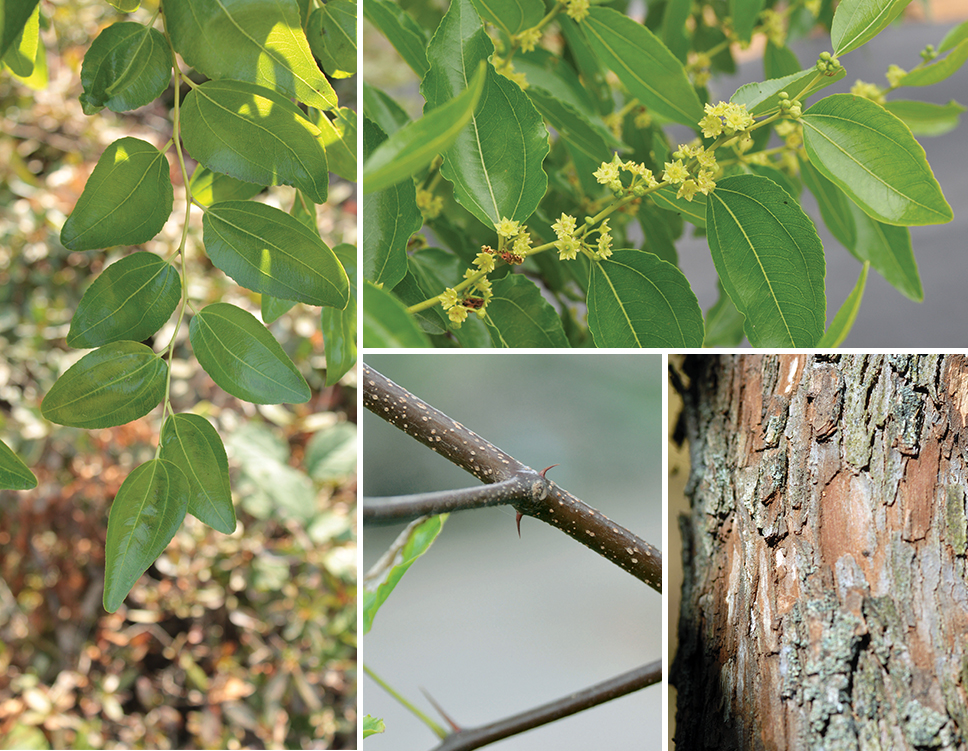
[[489, 624]]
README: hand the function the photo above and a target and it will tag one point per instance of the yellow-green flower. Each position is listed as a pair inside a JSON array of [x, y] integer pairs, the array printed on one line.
[[895, 75], [688, 189], [869, 91], [705, 182], [737, 117], [457, 314], [522, 244], [485, 262], [529, 38], [565, 226], [567, 249], [577, 9], [607, 173], [507, 228], [675, 172], [449, 298]]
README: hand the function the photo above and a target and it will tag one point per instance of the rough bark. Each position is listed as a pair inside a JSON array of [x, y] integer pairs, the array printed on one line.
[[825, 603]]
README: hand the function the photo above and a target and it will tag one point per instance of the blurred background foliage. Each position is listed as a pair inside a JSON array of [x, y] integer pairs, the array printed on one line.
[[229, 641]]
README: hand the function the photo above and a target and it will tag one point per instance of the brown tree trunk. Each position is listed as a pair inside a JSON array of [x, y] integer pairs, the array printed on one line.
[[825, 603]]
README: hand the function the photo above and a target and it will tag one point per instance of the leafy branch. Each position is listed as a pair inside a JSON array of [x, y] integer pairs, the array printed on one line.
[[529, 492]]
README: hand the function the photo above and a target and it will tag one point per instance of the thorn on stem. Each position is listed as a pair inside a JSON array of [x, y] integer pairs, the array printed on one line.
[[542, 473], [517, 520], [454, 726]]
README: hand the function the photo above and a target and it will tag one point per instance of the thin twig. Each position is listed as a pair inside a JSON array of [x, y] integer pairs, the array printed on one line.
[[538, 497], [399, 508], [626, 683]]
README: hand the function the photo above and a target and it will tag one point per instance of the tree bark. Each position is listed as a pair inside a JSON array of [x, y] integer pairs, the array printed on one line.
[[825, 602]]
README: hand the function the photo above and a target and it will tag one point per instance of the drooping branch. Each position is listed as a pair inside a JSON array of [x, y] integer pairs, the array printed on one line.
[[532, 495], [471, 738]]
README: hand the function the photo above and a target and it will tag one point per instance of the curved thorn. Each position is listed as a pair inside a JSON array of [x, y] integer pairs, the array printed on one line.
[[542, 473], [517, 520]]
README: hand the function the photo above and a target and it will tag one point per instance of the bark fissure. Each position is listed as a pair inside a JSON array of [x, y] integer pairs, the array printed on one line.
[[825, 602]]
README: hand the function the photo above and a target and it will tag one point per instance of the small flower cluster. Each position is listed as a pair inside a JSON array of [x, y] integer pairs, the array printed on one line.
[[577, 9], [895, 74], [476, 297], [869, 91], [774, 27], [828, 64], [430, 205], [698, 68], [678, 172], [569, 243], [609, 174], [725, 118], [505, 67], [528, 38]]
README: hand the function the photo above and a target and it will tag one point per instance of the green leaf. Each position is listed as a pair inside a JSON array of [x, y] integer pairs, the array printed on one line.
[[745, 14], [872, 156], [131, 299], [724, 324], [38, 78], [339, 326], [386, 322], [675, 18], [834, 205], [382, 110], [126, 201], [925, 118], [22, 53], [126, 67], [844, 320], [274, 308], [254, 134], [856, 22], [332, 37], [779, 61], [495, 163], [339, 140], [635, 299], [14, 474], [112, 385], [405, 34], [419, 539], [372, 725], [243, 358], [693, 211], [14, 15], [192, 444], [769, 260], [388, 219], [510, 16], [644, 64], [331, 453], [126, 6], [939, 69], [213, 187], [146, 513], [890, 253], [764, 98], [954, 37], [268, 251], [518, 316], [418, 143], [259, 41]]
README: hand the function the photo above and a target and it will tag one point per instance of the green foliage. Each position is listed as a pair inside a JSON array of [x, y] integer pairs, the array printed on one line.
[[245, 132], [554, 213]]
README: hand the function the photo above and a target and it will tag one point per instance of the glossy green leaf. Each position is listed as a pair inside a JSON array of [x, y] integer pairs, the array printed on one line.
[[418, 143], [14, 474], [243, 358], [844, 320], [939, 69], [769, 259], [518, 316], [126, 201], [339, 140], [693, 211], [953, 38], [388, 220], [126, 67], [872, 156], [331, 32], [22, 53], [419, 539], [644, 64], [259, 41], [268, 251], [146, 513], [406, 36], [764, 98], [372, 726], [635, 299], [382, 110], [273, 308], [338, 327], [835, 207], [131, 299], [254, 134], [510, 16], [856, 22], [192, 444], [38, 78], [495, 163], [112, 385], [926, 118], [724, 324], [386, 322], [890, 253], [213, 187], [675, 30], [13, 18], [745, 14]]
